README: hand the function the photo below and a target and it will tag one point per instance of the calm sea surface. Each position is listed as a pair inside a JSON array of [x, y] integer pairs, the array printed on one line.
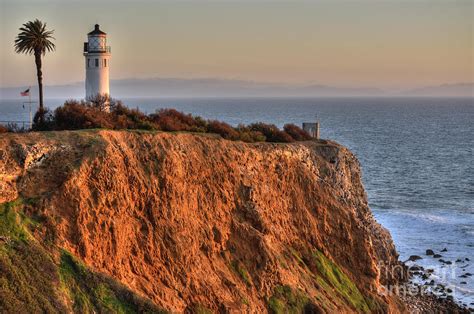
[[416, 155]]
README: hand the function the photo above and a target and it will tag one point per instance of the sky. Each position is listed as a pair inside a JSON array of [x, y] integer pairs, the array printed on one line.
[[383, 44]]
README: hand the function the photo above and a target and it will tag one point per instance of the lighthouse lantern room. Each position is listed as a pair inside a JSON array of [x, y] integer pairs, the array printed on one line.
[[97, 56]]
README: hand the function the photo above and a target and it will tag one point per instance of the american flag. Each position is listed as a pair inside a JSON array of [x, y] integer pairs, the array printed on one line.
[[25, 93]]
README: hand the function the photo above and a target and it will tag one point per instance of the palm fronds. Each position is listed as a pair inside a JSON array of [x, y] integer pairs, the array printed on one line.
[[34, 38]]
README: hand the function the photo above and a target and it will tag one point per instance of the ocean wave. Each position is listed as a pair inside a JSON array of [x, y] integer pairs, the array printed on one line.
[[458, 217], [468, 229], [429, 217], [463, 289]]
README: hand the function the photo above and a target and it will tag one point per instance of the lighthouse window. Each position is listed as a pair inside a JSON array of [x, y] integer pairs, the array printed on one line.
[[88, 63], [96, 63], [105, 63]]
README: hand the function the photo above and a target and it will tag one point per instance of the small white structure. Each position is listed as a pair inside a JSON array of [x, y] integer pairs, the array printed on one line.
[[312, 128], [97, 56]]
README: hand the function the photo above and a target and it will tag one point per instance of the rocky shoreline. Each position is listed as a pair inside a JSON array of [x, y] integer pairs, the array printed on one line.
[[431, 295], [432, 304]]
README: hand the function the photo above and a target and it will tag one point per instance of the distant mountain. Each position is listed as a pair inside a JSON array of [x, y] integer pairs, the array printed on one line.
[[323, 90], [212, 87], [445, 90], [207, 87]]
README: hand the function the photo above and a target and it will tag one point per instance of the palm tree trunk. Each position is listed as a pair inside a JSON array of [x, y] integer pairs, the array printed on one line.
[[39, 74]]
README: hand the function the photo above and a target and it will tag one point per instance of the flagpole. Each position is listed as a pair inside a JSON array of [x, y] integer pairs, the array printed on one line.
[[31, 120]]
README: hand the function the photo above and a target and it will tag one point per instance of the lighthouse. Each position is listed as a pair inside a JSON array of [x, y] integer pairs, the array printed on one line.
[[97, 57]]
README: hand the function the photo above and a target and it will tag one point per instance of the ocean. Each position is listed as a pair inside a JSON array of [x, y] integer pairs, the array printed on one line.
[[416, 155]]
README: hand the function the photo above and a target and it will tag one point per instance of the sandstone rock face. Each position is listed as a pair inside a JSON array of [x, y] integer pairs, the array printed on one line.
[[193, 220]]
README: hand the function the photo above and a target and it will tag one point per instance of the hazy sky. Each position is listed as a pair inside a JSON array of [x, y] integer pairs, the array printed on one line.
[[388, 44]]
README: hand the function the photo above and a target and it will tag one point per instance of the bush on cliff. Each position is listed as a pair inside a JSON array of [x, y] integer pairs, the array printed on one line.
[[125, 118], [43, 120], [223, 129], [249, 136], [80, 115], [91, 114], [296, 132], [173, 120], [271, 132]]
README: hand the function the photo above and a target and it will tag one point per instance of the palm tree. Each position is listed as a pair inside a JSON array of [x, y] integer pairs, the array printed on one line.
[[35, 39]]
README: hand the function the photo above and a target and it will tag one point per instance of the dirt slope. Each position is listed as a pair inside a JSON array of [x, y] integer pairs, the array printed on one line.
[[198, 223]]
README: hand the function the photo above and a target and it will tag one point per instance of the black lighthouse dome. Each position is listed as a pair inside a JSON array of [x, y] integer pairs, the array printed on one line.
[[97, 31]]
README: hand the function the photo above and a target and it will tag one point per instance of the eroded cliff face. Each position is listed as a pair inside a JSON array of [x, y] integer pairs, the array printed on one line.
[[198, 222]]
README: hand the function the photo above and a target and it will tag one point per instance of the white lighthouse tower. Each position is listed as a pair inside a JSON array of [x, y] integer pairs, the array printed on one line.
[[97, 56]]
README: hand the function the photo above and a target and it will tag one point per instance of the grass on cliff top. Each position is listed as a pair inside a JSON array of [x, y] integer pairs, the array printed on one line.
[[341, 282], [9, 225], [92, 292], [335, 283], [240, 269], [29, 276], [13, 223], [199, 309], [285, 299]]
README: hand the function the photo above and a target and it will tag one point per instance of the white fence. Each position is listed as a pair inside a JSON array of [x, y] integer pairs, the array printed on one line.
[[17, 126]]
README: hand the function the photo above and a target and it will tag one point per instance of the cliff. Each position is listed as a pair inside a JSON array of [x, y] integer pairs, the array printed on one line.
[[186, 222]]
